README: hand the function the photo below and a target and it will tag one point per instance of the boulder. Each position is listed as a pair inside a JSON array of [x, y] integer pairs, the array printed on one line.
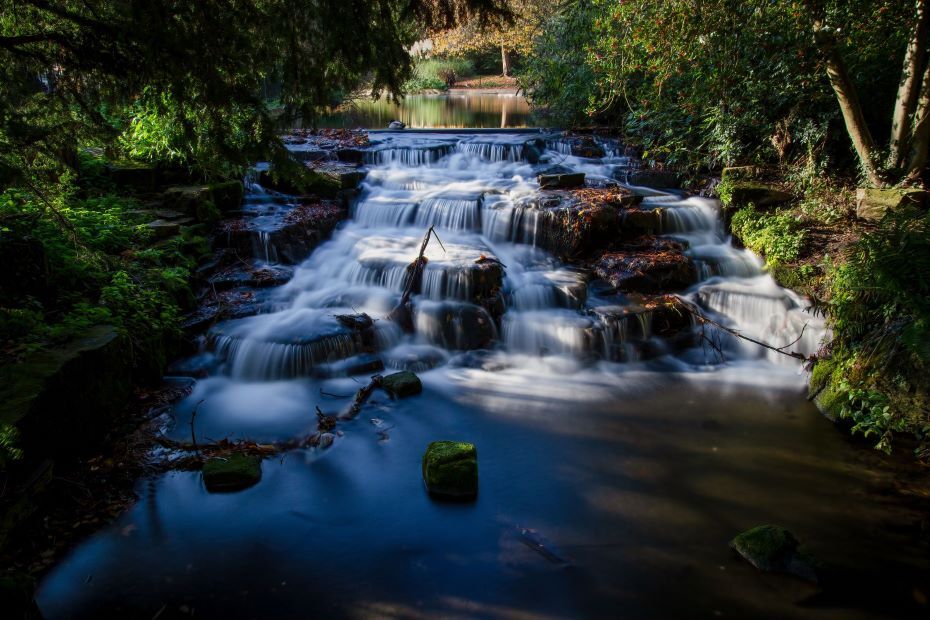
[[64, 400], [397, 125], [638, 222], [450, 469], [872, 203], [652, 265], [587, 147], [402, 384], [576, 223], [561, 181], [655, 178], [762, 195], [232, 473], [344, 175], [774, 549]]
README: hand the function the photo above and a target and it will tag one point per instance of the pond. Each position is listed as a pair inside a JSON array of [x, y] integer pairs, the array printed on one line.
[[455, 110]]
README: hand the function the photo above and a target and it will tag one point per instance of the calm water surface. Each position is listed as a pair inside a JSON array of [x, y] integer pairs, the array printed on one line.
[[607, 490], [494, 110]]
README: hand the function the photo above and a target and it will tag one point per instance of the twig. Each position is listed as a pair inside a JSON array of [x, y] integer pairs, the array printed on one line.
[[703, 319], [401, 313], [360, 397]]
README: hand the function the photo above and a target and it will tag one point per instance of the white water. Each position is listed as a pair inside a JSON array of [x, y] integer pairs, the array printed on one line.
[[478, 193]]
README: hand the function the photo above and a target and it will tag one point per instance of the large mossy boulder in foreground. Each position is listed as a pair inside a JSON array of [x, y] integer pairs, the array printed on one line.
[[873, 203], [450, 469], [774, 549], [232, 473], [401, 384]]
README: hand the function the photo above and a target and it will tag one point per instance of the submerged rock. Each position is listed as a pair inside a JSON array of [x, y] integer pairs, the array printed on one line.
[[450, 469], [401, 384], [232, 473], [774, 549]]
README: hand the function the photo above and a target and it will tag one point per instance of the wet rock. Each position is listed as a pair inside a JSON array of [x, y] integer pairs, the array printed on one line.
[[351, 155], [232, 473], [653, 265], [402, 384], [245, 274], [455, 325], [300, 181], [304, 228], [659, 179], [397, 125], [450, 469], [573, 223], [355, 322], [326, 440], [872, 203], [204, 202], [533, 150], [586, 146], [221, 306], [561, 181], [772, 548], [638, 222], [343, 175]]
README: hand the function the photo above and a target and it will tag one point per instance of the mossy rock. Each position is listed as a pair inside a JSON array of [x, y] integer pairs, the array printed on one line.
[[450, 469], [227, 196], [774, 549], [824, 388], [742, 193], [873, 203], [401, 384], [232, 473]]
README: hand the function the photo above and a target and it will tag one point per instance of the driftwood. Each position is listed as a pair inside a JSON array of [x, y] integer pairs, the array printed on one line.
[[360, 398], [402, 314], [703, 319]]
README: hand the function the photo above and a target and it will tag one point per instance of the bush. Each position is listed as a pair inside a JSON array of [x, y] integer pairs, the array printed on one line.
[[438, 74], [779, 237], [880, 313]]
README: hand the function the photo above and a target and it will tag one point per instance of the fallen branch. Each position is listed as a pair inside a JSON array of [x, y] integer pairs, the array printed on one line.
[[360, 398], [703, 319], [401, 314]]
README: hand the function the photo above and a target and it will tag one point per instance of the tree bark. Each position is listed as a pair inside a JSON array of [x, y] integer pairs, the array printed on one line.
[[909, 87], [849, 103], [920, 137], [505, 61]]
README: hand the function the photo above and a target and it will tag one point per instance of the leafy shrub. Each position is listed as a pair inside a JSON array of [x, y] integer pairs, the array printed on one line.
[[436, 73], [880, 313], [779, 237]]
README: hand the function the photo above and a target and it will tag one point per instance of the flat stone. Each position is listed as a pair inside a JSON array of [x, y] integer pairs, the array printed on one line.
[[651, 265], [872, 203], [402, 384], [450, 469], [232, 473], [772, 548], [762, 195], [560, 181], [346, 176]]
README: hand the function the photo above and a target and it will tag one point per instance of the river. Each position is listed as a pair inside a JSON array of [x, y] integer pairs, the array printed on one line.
[[613, 468]]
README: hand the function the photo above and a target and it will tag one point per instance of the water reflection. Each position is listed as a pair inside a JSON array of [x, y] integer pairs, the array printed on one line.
[[488, 110]]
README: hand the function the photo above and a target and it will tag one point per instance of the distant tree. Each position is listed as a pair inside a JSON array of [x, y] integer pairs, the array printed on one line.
[[514, 34]]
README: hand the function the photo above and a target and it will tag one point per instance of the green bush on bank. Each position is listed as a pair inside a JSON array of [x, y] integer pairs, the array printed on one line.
[[434, 73], [880, 313], [779, 237]]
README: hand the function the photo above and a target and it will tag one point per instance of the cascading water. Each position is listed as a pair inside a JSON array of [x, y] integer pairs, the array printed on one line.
[[486, 285]]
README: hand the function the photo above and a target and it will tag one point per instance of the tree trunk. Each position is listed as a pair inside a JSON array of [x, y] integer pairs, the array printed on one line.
[[920, 137], [848, 100], [909, 87], [505, 61]]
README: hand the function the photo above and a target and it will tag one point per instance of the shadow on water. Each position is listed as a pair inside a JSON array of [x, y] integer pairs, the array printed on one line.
[[482, 110], [638, 484]]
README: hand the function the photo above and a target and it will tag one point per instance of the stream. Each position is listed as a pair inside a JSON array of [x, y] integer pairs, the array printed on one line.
[[614, 466]]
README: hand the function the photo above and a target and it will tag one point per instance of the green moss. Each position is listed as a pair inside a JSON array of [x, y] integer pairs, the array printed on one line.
[[450, 468], [232, 473], [779, 237], [775, 549], [401, 384]]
